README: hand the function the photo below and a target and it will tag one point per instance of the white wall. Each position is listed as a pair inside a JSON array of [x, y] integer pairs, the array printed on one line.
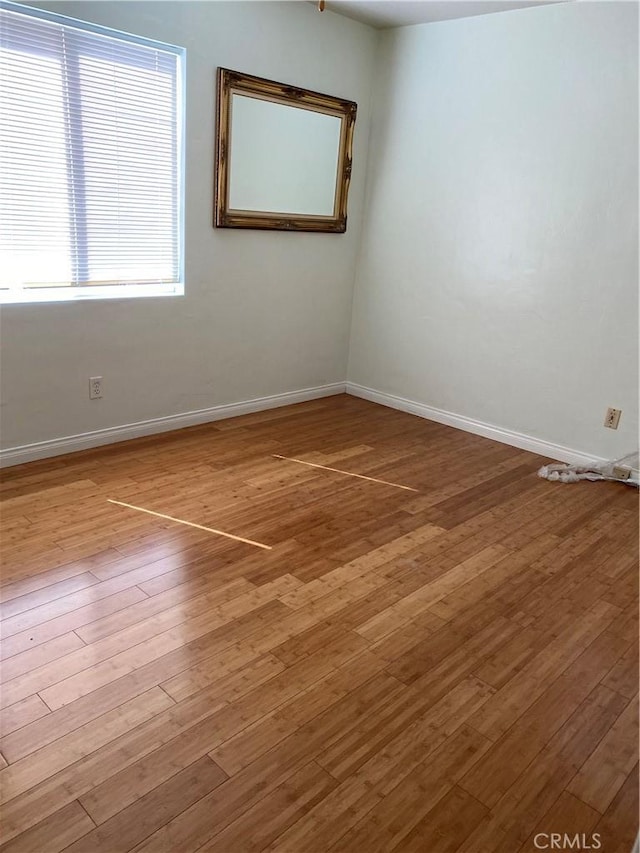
[[498, 272], [264, 312]]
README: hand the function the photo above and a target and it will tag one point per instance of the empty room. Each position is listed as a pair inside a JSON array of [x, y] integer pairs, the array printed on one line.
[[319, 426]]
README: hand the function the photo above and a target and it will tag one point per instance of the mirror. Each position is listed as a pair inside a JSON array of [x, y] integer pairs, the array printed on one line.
[[283, 156]]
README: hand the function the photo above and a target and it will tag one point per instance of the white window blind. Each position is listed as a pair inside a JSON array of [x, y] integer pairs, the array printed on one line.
[[90, 160]]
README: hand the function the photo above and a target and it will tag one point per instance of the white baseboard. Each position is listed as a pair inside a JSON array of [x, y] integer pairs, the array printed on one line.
[[97, 438], [496, 433], [111, 435]]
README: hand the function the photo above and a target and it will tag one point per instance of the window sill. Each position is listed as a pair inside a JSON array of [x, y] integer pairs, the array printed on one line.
[[88, 294]]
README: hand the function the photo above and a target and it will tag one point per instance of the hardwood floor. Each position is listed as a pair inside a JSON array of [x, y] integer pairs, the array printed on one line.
[[445, 668]]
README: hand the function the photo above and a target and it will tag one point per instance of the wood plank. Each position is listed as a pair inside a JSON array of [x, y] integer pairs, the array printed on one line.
[[420, 600], [123, 788], [513, 752], [520, 692], [145, 607], [54, 833], [261, 824], [40, 655], [117, 755], [537, 789], [446, 826], [68, 603], [116, 693], [385, 821], [9, 591], [27, 772], [124, 652], [147, 814], [618, 827], [200, 823], [56, 627], [21, 714], [568, 816], [18, 604], [602, 776], [245, 747], [623, 676]]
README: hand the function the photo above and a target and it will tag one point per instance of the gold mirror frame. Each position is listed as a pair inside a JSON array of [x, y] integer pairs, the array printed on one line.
[[233, 82]]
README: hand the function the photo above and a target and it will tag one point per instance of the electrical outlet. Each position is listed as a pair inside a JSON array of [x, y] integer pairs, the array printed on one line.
[[612, 418], [95, 388]]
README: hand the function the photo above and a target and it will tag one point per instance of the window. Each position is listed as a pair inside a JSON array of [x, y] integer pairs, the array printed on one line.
[[91, 177]]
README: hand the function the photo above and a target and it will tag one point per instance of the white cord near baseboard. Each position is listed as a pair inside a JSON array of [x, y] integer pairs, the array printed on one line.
[[624, 470]]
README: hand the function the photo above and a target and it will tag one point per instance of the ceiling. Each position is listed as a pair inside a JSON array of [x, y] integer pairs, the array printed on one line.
[[400, 13]]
